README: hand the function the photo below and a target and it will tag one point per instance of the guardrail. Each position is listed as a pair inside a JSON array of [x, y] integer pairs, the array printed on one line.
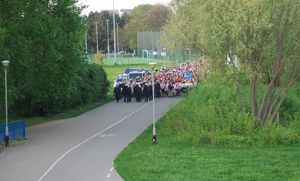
[[16, 130]]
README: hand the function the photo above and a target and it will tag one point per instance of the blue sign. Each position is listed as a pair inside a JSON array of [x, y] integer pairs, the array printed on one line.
[[188, 76]]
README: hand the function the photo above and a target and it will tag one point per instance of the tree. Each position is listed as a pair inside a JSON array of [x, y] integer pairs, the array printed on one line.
[[182, 32], [263, 34], [100, 19], [145, 18], [43, 40]]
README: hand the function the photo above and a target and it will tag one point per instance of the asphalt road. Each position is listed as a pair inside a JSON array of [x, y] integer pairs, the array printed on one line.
[[80, 148]]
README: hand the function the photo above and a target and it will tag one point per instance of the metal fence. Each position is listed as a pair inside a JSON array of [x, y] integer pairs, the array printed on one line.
[[149, 46], [16, 130], [149, 41]]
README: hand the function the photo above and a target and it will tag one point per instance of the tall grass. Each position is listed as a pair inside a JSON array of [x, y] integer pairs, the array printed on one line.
[[211, 115]]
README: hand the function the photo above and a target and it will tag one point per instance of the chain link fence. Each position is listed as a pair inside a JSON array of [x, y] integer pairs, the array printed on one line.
[[149, 46]]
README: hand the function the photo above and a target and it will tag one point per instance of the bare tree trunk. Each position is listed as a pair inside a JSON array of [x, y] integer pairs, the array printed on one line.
[[254, 94], [267, 106], [283, 97], [266, 101], [240, 98]]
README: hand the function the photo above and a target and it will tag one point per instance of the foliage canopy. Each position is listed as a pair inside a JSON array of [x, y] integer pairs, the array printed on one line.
[[43, 41], [256, 37]]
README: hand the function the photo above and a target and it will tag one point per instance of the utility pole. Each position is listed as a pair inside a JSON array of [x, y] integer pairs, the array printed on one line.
[[97, 36], [118, 45], [114, 23], [85, 43], [107, 21]]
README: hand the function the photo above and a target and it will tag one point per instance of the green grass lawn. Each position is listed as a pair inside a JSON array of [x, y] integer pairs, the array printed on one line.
[[1, 147], [76, 111], [177, 160], [142, 160], [132, 60]]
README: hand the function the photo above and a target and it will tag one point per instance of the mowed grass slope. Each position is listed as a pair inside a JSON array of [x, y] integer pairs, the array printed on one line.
[[143, 161], [206, 137]]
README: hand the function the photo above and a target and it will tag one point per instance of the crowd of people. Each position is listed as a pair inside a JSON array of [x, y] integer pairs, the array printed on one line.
[[168, 82]]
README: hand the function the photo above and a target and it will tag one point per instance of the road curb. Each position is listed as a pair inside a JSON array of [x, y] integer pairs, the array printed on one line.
[[117, 174]]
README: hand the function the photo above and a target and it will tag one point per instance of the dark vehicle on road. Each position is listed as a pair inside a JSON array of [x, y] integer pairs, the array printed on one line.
[[129, 70], [135, 74]]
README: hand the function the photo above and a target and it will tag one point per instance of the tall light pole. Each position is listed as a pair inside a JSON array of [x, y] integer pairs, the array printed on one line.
[[118, 38], [5, 64], [97, 36], [85, 43], [107, 21], [152, 66], [114, 22]]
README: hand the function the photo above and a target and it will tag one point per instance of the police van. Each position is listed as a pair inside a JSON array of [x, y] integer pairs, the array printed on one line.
[[135, 74]]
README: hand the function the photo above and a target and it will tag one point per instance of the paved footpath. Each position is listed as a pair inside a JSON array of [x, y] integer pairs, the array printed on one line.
[[81, 148]]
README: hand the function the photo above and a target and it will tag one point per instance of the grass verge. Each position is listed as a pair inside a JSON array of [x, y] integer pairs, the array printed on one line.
[[143, 161], [181, 153], [76, 111], [132, 60], [1, 146]]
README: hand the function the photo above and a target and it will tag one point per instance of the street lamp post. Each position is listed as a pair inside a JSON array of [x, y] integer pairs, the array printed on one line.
[[152, 66], [97, 36], [85, 44], [5, 64], [118, 38], [114, 23], [107, 21]]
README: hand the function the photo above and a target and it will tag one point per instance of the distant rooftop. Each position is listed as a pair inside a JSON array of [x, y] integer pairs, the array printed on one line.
[[128, 11]]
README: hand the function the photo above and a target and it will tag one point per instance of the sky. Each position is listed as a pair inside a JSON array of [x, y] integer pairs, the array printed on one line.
[[98, 5]]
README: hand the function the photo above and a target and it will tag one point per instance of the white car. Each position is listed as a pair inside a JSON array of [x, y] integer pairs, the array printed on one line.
[[120, 79]]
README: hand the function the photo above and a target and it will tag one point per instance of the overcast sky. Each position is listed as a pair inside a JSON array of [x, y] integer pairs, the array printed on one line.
[[98, 5]]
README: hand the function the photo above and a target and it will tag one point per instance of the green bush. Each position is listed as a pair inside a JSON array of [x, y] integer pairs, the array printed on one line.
[[211, 115], [47, 73], [86, 85], [290, 105], [91, 84]]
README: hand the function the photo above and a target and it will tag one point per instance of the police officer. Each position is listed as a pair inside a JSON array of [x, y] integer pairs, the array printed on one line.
[[157, 89], [147, 92], [137, 91], [128, 93], [117, 92]]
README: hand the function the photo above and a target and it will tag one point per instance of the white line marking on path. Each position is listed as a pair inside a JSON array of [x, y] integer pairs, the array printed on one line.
[[107, 135], [85, 141], [110, 172]]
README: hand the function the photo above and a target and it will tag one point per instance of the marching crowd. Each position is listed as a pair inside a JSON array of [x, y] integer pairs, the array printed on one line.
[[168, 81]]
